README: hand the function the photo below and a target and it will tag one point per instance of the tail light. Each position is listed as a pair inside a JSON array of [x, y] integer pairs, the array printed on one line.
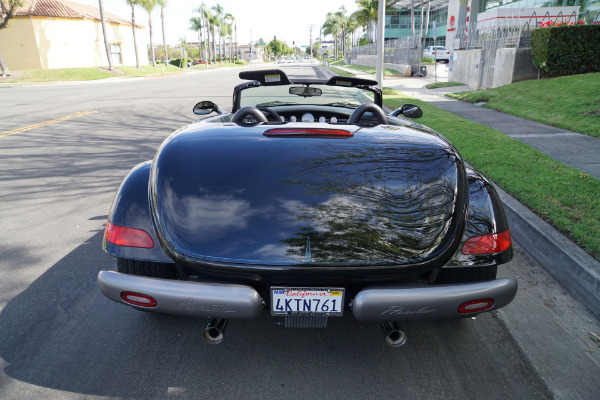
[[488, 244], [128, 237], [303, 132], [138, 299], [474, 306]]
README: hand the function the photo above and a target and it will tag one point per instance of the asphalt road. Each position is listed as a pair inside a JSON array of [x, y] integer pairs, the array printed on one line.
[[61, 338]]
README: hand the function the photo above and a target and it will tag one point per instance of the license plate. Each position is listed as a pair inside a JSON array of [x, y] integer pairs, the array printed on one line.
[[307, 301]]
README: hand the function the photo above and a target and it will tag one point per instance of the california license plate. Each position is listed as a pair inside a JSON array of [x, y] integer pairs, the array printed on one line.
[[307, 301]]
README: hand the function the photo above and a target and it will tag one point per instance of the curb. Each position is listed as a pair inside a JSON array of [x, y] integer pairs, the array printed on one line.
[[576, 270]]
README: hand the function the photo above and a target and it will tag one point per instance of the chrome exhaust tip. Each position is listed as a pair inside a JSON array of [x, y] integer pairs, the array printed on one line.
[[394, 334], [215, 328]]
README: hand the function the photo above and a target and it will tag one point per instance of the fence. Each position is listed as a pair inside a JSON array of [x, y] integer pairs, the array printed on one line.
[[406, 50], [510, 33]]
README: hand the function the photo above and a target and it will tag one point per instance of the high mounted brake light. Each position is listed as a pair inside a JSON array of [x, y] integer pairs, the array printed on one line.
[[303, 132], [128, 237], [488, 244]]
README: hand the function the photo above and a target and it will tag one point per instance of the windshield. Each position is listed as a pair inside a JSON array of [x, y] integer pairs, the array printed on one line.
[[267, 96]]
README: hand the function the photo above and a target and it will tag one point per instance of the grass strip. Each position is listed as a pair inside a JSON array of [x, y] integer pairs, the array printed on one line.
[[372, 70], [568, 102], [340, 72], [442, 85], [563, 196], [62, 74], [91, 73]]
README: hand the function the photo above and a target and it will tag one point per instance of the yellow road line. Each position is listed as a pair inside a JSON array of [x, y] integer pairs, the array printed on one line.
[[26, 128]]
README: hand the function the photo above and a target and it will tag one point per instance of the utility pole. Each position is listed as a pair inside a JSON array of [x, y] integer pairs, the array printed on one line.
[[310, 31]]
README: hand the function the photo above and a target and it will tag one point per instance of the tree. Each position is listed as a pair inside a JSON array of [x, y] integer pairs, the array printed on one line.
[[275, 47], [365, 15], [218, 23], [228, 32], [184, 47], [134, 3], [211, 20], [149, 5], [163, 4], [101, 5], [8, 9], [204, 15], [196, 26], [344, 22], [332, 26], [229, 20]]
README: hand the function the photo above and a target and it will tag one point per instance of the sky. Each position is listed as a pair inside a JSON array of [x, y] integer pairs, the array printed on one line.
[[288, 20]]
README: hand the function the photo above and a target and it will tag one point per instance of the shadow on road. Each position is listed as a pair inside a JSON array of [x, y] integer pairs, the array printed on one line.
[[62, 333]]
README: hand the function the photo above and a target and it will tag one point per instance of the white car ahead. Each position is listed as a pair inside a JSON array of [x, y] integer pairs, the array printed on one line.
[[437, 53]]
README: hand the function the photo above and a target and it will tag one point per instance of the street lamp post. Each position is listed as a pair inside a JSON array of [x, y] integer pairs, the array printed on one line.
[[380, 41]]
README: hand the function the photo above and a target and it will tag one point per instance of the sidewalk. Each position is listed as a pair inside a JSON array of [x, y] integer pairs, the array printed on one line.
[[564, 260], [574, 149]]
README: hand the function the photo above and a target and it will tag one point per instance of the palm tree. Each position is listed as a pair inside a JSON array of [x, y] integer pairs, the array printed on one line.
[[196, 26], [332, 27], [228, 31], [343, 21], [218, 21], [366, 14], [204, 16], [183, 44], [149, 5], [229, 20], [212, 22], [101, 4], [351, 29], [163, 4], [134, 3]]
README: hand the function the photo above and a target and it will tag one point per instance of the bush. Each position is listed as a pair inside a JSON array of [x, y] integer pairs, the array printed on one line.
[[179, 62], [241, 62], [566, 50]]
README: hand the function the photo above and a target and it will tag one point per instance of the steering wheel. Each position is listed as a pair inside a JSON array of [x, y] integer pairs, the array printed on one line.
[[273, 113], [368, 107], [244, 112]]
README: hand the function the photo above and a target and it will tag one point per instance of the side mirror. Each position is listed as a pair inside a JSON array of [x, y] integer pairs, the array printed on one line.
[[409, 111], [207, 107]]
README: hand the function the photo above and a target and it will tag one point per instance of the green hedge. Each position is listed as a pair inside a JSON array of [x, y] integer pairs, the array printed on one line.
[[179, 62], [566, 50]]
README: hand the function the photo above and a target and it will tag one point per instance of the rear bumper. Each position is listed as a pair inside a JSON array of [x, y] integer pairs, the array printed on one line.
[[429, 302], [197, 299], [213, 300]]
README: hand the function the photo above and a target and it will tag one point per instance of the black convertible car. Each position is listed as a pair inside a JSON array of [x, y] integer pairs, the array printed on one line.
[[307, 202]]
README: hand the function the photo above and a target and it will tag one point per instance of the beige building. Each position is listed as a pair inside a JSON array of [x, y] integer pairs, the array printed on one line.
[[47, 34], [252, 54]]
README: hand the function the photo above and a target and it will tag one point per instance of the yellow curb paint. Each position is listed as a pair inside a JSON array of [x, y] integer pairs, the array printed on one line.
[[26, 128]]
